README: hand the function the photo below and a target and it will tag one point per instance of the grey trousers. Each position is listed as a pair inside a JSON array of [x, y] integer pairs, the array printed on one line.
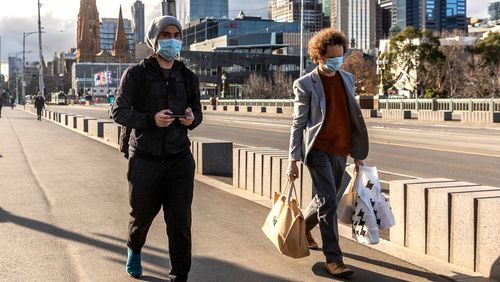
[[326, 172]]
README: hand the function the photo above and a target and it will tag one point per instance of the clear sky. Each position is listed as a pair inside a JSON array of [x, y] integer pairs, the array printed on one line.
[[59, 19]]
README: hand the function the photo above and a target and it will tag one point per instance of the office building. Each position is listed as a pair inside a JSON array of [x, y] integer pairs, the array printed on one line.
[[290, 11], [339, 15], [138, 21], [384, 18], [168, 8], [361, 30], [191, 10], [108, 31], [494, 10]]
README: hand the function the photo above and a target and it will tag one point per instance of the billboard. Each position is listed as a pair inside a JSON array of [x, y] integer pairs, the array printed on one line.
[[103, 78]]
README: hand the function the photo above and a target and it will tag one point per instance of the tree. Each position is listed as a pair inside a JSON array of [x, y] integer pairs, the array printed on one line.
[[488, 63], [278, 85], [415, 54], [364, 71]]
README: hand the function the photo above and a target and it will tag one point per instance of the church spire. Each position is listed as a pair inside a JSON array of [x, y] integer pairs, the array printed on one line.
[[120, 46], [87, 35]]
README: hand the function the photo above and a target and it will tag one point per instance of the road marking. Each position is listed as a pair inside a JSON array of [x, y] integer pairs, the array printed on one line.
[[435, 149]]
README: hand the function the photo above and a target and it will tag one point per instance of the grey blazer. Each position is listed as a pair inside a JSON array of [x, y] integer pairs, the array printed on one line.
[[310, 111]]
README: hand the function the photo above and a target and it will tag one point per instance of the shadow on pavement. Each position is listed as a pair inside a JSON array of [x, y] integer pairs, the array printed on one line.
[[359, 274], [204, 269], [391, 266]]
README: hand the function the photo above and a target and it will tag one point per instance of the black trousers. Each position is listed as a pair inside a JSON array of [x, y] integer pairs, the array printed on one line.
[[39, 113], [168, 183]]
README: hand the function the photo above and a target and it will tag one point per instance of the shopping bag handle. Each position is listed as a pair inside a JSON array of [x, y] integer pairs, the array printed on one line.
[[290, 185]]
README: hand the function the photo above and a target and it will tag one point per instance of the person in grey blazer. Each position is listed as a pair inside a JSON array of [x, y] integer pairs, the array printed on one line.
[[327, 128]]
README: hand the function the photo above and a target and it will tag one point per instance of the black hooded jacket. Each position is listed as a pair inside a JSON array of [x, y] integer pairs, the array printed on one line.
[[144, 91]]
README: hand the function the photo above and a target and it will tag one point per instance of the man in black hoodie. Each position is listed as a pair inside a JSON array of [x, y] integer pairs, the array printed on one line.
[[39, 105], [159, 99]]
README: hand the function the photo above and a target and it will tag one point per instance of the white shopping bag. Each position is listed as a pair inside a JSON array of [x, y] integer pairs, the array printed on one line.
[[372, 211]]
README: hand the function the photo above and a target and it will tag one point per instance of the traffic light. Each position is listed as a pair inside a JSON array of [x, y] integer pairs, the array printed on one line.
[[33, 76]]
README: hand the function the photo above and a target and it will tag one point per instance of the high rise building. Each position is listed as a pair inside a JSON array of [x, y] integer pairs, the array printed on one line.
[[108, 32], [168, 8], [494, 10], [362, 27], [326, 5], [87, 35], [434, 15], [384, 18], [290, 11], [138, 21], [339, 15], [191, 10]]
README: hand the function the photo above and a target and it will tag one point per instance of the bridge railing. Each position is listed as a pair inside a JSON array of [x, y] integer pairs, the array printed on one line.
[[450, 105]]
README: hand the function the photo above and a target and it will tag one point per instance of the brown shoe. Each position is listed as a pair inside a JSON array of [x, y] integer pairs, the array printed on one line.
[[338, 269], [310, 241]]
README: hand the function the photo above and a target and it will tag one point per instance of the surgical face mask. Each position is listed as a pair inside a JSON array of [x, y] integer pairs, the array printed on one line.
[[169, 48], [334, 64]]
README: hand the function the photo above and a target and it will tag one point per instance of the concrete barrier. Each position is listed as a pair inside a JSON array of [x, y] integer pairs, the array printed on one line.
[[275, 172], [369, 113], [73, 121], [480, 117], [395, 114], [288, 111], [263, 172], [253, 163], [82, 123], [434, 116], [64, 119], [439, 217], [96, 127], [112, 132], [487, 252], [213, 157], [416, 211], [464, 231], [398, 195]]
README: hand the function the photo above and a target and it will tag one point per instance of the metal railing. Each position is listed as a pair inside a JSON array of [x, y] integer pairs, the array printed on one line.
[[450, 105]]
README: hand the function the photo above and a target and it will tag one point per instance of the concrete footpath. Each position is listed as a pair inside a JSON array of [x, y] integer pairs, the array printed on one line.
[[64, 214]]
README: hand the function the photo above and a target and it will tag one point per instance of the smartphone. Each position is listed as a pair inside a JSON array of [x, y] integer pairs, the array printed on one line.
[[178, 116]]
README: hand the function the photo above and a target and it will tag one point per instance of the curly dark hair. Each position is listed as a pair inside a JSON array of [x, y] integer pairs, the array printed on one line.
[[319, 42]]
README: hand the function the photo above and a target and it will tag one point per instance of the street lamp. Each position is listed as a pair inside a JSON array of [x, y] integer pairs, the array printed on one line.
[[382, 63], [23, 87]]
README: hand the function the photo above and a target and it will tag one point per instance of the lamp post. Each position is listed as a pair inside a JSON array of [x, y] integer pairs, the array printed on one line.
[[382, 62], [23, 87], [40, 75], [301, 69]]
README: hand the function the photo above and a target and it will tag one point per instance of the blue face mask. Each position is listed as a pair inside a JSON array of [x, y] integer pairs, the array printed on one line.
[[334, 64], [169, 48]]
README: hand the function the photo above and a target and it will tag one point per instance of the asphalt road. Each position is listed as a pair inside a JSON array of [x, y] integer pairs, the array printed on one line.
[[64, 211], [398, 149]]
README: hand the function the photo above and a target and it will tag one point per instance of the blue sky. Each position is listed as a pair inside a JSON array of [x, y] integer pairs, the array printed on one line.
[[59, 20]]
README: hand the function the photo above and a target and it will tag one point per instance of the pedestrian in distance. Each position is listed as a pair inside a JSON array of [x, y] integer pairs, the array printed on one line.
[[12, 102], [39, 105], [159, 100], [327, 127], [2, 101]]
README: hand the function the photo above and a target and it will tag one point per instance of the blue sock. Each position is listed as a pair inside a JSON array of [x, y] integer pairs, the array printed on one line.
[[133, 267]]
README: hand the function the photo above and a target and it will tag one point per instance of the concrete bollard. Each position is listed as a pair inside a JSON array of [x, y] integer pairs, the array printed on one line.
[[487, 252], [269, 166], [369, 113], [214, 157], [112, 132], [479, 117], [82, 123], [277, 178], [73, 121], [395, 114], [439, 217], [96, 127], [416, 212], [434, 115], [254, 163], [398, 195], [464, 229]]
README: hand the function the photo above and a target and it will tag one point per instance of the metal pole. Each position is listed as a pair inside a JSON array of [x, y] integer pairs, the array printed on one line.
[[23, 87], [301, 72], [40, 74]]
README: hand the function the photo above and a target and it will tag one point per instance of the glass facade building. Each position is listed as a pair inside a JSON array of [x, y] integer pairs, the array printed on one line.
[[201, 30], [138, 21], [108, 34], [494, 10], [362, 23], [191, 10]]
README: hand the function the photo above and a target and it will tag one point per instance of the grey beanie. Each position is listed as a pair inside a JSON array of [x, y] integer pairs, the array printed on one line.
[[157, 26]]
